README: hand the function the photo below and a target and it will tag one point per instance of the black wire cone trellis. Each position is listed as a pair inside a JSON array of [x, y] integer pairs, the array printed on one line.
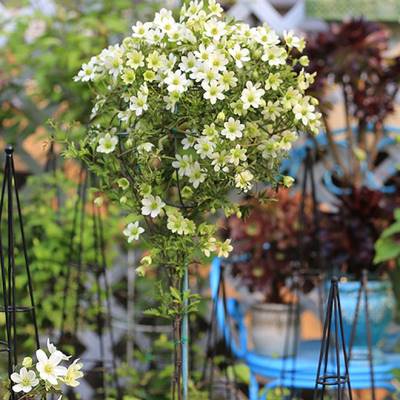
[[336, 376], [75, 286], [9, 270], [303, 274], [362, 296], [228, 385]]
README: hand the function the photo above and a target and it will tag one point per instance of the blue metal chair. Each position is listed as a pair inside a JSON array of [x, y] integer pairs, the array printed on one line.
[[301, 372]]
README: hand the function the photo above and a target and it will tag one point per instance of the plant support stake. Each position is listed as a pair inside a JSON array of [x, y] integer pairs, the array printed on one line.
[[185, 337]]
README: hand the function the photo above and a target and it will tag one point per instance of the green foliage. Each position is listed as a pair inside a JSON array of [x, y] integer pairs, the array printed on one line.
[[387, 246], [43, 53], [48, 212], [174, 303], [154, 383]]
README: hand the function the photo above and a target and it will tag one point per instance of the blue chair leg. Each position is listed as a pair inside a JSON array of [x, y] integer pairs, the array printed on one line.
[[253, 387]]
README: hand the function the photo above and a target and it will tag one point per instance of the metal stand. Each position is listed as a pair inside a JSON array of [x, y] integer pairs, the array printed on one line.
[[78, 270], [9, 268], [212, 338], [336, 377], [363, 292]]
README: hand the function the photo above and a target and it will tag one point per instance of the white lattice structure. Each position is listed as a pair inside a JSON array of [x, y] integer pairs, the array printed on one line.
[[267, 11]]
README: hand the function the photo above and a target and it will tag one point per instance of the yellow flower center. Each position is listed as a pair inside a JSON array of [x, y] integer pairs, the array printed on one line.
[[48, 368]]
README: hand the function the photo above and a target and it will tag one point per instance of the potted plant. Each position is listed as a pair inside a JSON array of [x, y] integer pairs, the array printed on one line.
[[353, 57], [266, 247], [348, 237], [187, 110], [353, 60]]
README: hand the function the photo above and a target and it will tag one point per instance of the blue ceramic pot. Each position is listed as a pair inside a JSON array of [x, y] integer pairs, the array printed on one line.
[[381, 307]]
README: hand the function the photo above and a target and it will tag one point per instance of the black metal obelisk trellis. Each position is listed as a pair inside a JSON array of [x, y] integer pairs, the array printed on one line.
[[335, 377], [10, 205], [362, 298], [78, 270], [304, 273]]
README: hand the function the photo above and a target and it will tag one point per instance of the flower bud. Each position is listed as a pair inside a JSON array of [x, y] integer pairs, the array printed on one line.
[[27, 362]]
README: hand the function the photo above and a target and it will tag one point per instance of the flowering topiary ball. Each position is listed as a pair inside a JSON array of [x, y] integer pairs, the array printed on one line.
[[188, 110]]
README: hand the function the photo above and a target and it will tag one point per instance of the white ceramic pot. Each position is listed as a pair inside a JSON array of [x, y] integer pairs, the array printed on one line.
[[270, 324]]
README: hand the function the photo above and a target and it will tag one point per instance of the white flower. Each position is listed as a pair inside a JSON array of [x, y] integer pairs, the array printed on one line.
[[176, 82], [239, 55], [237, 154], [206, 73], [209, 246], [154, 36], [53, 349], [188, 62], [145, 147], [155, 60], [204, 147], [228, 80], [140, 29], [178, 224], [210, 131], [252, 95], [135, 59], [291, 98], [233, 129], [133, 231], [243, 180], [188, 142], [213, 91], [107, 144], [304, 111], [138, 103], [265, 36], [87, 72], [214, 29], [217, 61], [220, 160], [271, 111], [183, 164], [224, 248], [293, 41], [73, 374], [203, 52], [196, 175], [273, 81], [274, 56], [48, 367], [152, 205], [25, 380]]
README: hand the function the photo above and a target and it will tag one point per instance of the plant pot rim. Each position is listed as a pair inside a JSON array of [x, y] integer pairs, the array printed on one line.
[[270, 307], [372, 284]]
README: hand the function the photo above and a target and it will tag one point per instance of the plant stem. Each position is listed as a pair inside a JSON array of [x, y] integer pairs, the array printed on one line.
[[177, 326], [355, 167], [333, 146]]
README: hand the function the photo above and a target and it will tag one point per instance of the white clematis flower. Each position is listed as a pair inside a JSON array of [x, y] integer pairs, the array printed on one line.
[[107, 144], [49, 368], [233, 129], [24, 381], [133, 231], [152, 205]]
